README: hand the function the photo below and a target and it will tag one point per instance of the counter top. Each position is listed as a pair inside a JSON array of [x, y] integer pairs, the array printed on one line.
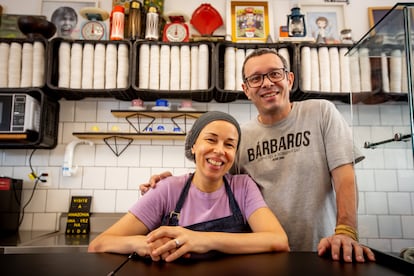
[[293, 263]]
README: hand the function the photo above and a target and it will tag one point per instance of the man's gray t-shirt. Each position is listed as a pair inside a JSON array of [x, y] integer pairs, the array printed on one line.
[[291, 162]]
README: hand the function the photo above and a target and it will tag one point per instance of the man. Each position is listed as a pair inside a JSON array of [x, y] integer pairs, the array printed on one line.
[[301, 156]]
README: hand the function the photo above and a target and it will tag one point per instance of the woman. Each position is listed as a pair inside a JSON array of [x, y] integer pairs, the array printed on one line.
[[65, 19], [206, 211]]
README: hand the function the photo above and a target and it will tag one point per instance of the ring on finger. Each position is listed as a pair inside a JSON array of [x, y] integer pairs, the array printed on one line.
[[177, 243]]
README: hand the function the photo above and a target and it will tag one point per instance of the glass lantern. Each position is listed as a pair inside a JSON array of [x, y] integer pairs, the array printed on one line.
[[296, 23]]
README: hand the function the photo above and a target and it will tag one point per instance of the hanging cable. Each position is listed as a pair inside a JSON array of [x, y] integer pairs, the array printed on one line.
[[36, 179]]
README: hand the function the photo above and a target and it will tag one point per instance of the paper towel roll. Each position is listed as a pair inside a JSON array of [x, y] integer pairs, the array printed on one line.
[[305, 63], [15, 65], [284, 52], [38, 78], [355, 73], [185, 67], [230, 68], [4, 66], [404, 84], [175, 68], [335, 69], [144, 61], [315, 79], [240, 56], [194, 68], [365, 66], [154, 76], [395, 71], [123, 66], [27, 65], [111, 66], [64, 65], [87, 66], [203, 67], [165, 67], [76, 66], [324, 69], [384, 73], [99, 66], [345, 70]]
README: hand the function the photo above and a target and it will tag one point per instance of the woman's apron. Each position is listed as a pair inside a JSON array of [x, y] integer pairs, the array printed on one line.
[[232, 224]]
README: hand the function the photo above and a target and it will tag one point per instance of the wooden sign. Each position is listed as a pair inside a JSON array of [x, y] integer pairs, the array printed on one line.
[[79, 215]]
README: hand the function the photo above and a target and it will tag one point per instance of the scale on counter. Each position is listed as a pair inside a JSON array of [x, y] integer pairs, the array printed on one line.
[[176, 28], [94, 28]]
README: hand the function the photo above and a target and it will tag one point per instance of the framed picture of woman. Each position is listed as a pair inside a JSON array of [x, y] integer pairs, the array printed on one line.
[[65, 15]]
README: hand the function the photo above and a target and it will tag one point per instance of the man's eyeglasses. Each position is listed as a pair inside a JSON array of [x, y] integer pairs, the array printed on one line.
[[276, 75]]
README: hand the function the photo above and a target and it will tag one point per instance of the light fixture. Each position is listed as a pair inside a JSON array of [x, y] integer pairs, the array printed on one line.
[[296, 23]]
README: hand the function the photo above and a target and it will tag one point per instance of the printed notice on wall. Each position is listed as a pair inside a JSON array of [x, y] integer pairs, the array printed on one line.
[[78, 216]]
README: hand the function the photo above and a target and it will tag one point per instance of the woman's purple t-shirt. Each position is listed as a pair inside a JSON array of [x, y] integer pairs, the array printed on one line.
[[198, 206]]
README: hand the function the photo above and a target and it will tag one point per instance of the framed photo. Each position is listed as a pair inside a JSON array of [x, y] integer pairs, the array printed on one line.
[[324, 22], [65, 15], [393, 24], [249, 21], [376, 13]]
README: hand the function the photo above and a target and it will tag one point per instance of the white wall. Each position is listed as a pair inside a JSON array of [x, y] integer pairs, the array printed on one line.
[[386, 177]]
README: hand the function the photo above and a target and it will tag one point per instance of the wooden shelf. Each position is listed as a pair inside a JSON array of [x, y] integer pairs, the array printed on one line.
[[13, 136], [156, 114], [129, 135], [119, 141]]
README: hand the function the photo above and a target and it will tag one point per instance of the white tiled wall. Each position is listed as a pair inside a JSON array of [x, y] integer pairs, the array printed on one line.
[[385, 177]]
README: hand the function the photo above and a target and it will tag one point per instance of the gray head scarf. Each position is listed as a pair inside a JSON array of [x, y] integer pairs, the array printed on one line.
[[200, 123]]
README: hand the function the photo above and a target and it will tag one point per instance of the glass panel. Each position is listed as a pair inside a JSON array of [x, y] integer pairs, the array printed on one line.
[[384, 50]]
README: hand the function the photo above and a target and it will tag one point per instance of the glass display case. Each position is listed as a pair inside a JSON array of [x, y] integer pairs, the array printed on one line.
[[387, 51]]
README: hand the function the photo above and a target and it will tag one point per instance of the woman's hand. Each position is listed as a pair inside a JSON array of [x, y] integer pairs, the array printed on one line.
[[172, 242]]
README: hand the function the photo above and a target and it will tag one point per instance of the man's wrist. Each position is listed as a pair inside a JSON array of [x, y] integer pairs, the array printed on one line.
[[343, 229]]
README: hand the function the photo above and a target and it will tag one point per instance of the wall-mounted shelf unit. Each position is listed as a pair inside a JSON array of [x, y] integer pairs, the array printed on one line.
[[141, 121], [134, 136], [46, 116]]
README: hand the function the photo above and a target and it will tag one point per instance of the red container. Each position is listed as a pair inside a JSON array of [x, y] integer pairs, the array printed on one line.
[[117, 23]]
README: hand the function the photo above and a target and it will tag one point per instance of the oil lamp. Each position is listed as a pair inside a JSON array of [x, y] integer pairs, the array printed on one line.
[[296, 23]]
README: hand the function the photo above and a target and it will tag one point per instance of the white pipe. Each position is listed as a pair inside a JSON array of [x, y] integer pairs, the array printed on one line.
[[67, 169]]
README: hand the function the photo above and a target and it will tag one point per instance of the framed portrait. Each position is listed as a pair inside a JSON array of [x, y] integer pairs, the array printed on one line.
[[249, 21], [324, 22], [392, 25], [65, 15], [375, 14]]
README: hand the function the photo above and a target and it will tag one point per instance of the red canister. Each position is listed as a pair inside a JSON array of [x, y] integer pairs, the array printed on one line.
[[117, 23]]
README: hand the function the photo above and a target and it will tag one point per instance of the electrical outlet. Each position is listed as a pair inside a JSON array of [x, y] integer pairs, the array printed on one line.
[[45, 178]]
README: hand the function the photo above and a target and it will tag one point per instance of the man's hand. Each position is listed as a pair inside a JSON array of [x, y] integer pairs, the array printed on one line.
[[348, 246], [153, 181]]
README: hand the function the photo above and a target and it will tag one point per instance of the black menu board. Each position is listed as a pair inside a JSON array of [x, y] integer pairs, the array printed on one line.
[[78, 216]]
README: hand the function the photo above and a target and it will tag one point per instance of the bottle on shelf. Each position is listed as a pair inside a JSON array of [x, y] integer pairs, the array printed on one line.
[[134, 20], [152, 24], [117, 23]]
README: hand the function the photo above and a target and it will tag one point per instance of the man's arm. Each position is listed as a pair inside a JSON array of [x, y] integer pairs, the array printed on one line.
[[153, 181], [346, 232]]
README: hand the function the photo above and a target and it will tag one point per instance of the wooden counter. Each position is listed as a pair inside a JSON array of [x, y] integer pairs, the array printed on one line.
[[294, 263]]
